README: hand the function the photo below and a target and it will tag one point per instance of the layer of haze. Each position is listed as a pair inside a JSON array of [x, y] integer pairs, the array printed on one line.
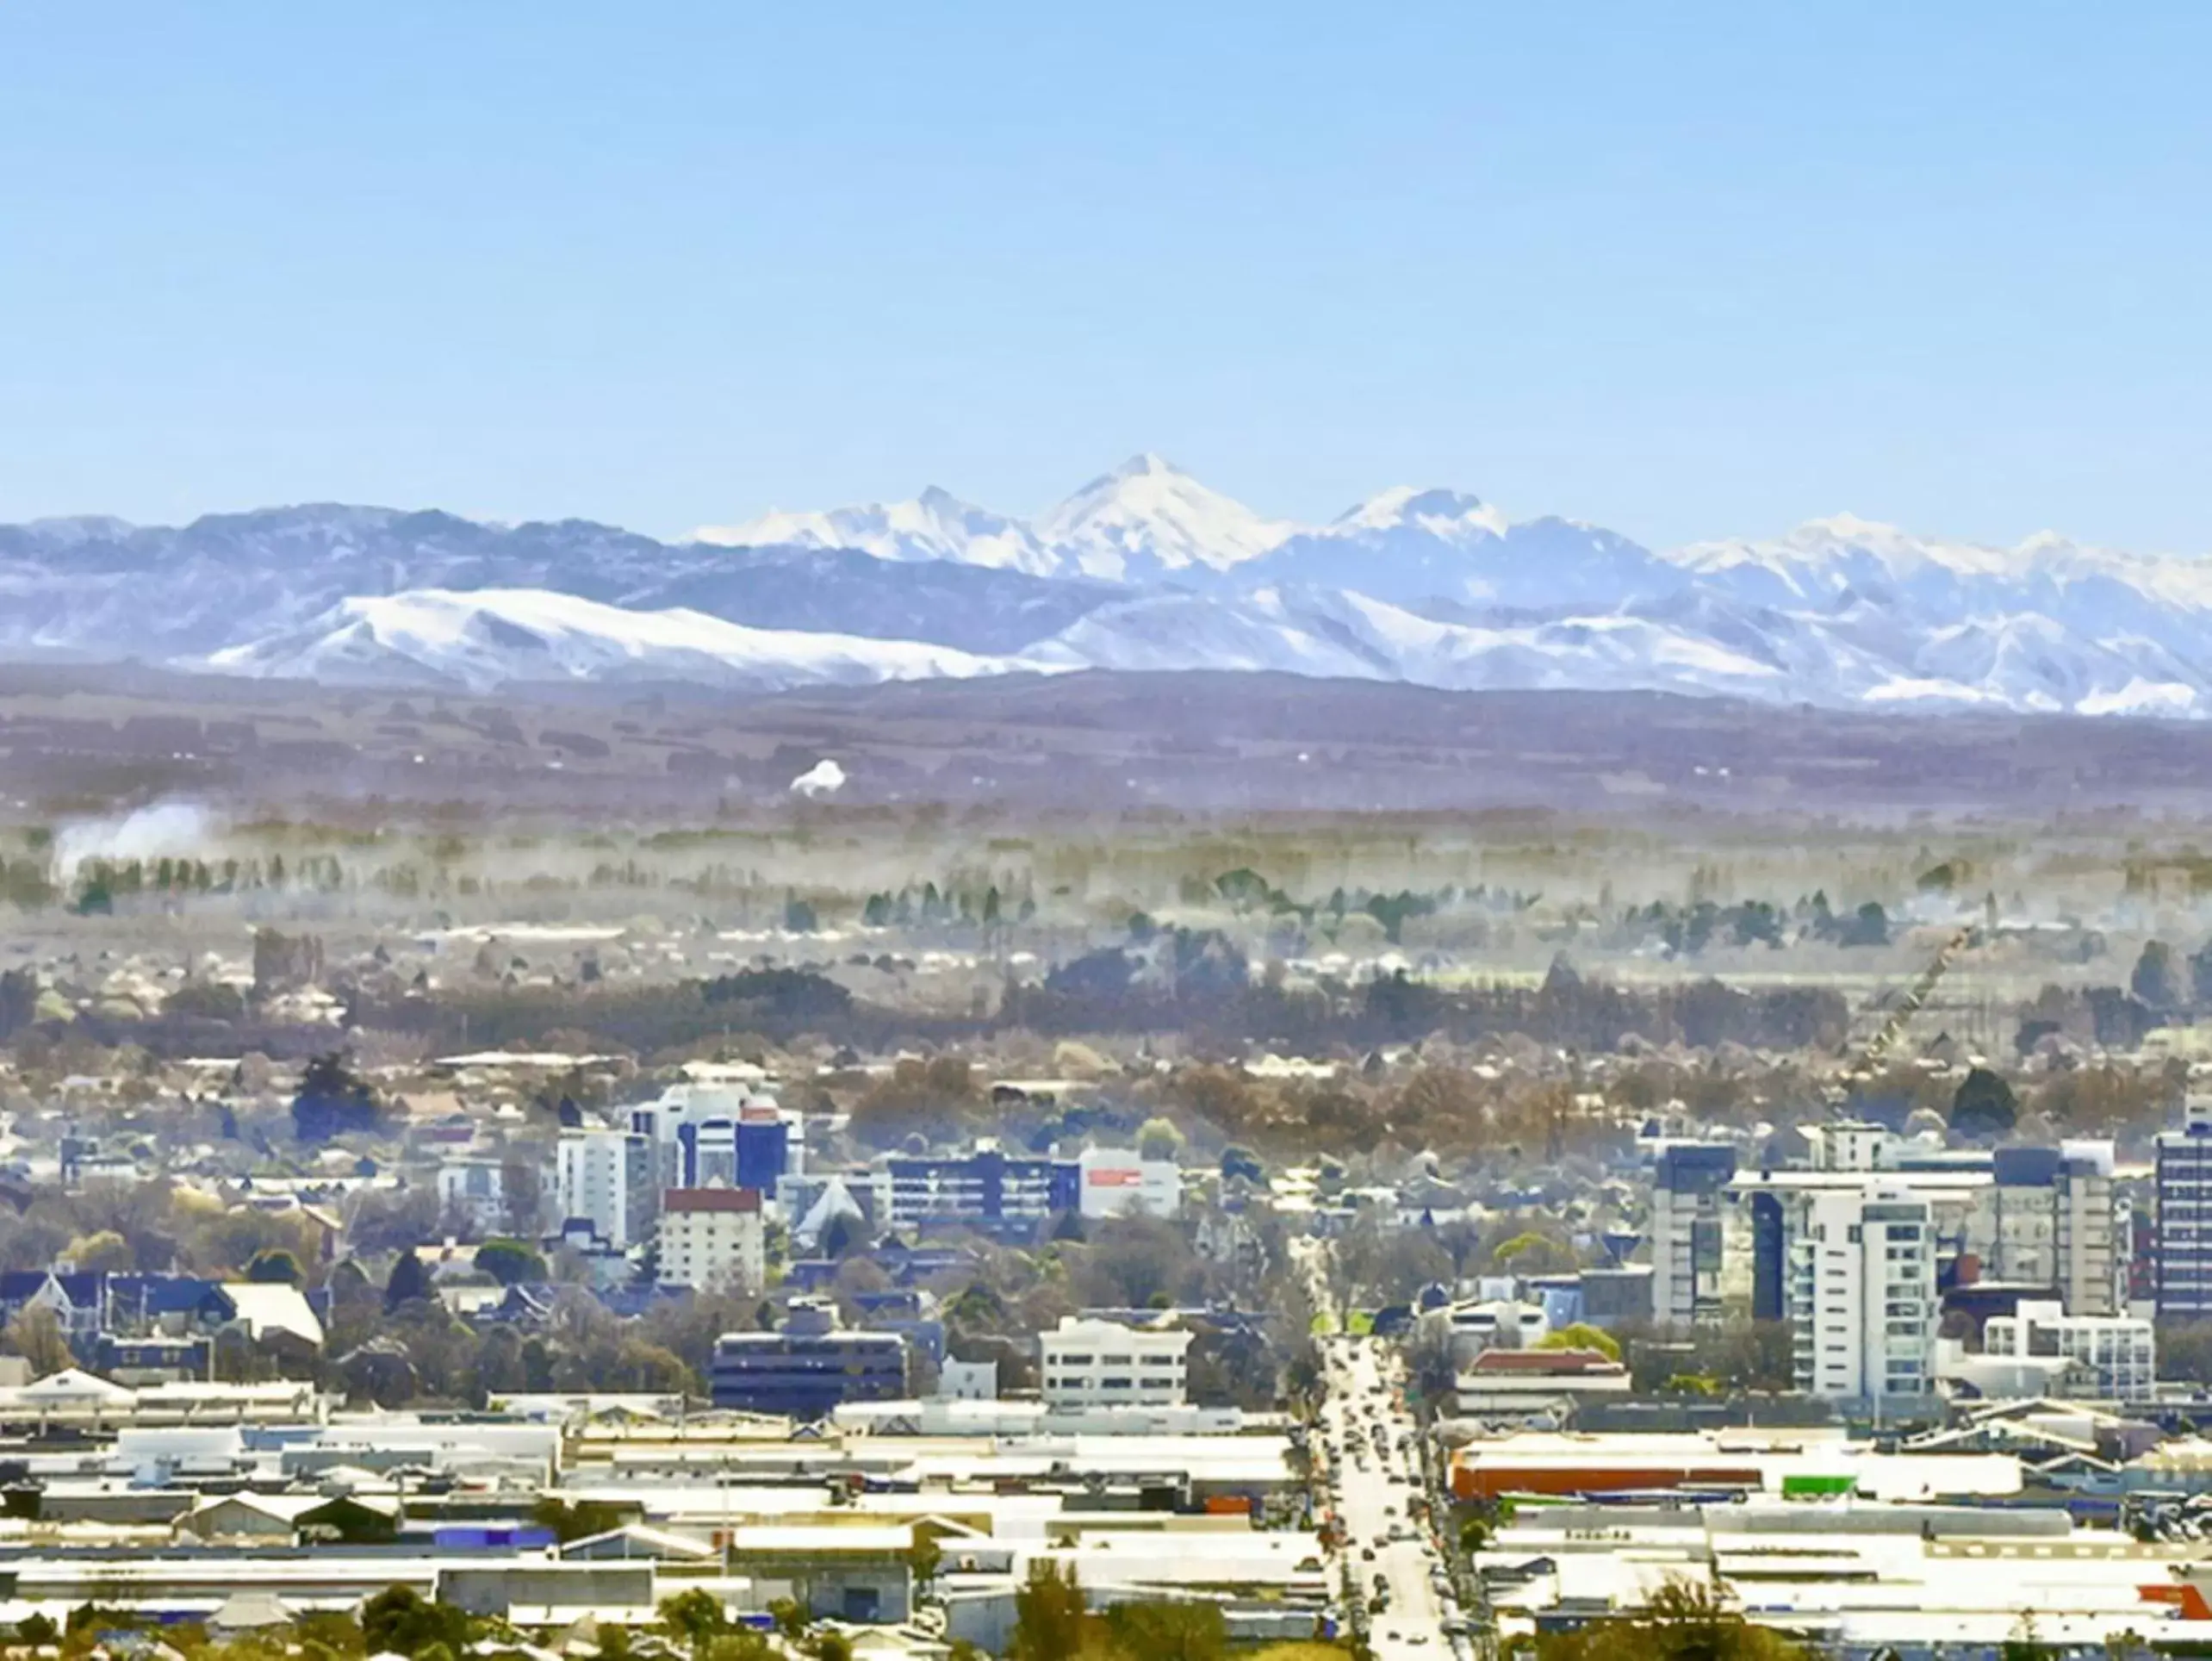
[[1684, 271]]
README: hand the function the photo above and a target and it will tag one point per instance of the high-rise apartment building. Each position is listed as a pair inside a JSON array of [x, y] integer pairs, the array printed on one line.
[[1862, 1292], [1688, 1217], [2184, 1216], [609, 1178]]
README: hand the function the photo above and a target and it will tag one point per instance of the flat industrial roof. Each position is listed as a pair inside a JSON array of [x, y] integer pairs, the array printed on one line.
[[856, 1537]]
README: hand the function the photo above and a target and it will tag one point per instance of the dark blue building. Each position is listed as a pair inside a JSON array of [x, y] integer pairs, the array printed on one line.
[[2184, 1224], [811, 1367], [989, 1190], [763, 1149]]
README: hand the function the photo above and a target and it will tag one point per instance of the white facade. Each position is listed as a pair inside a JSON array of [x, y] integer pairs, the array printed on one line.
[[1861, 1293], [473, 1190], [1503, 1323], [1088, 1363], [2090, 1246], [967, 1381], [2115, 1356], [1850, 1145], [1116, 1182], [607, 1177], [713, 1240]]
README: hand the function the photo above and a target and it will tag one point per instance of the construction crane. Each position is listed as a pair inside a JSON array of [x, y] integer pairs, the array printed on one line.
[[1863, 1066]]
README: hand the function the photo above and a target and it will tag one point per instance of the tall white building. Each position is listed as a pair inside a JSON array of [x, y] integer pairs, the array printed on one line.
[[1689, 1189], [713, 1239], [1861, 1292], [1090, 1364], [609, 1178]]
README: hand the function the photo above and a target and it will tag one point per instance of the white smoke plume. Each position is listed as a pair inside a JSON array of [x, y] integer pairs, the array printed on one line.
[[143, 833]]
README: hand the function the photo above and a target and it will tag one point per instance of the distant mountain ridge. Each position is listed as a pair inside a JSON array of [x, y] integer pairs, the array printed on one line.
[[1144, 568]]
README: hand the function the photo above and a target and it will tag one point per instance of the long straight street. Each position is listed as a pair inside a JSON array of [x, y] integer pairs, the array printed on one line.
[[1372, 1459]]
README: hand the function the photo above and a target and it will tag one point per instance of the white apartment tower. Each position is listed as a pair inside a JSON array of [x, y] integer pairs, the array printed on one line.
[[1862, 1292], [609, 1178]]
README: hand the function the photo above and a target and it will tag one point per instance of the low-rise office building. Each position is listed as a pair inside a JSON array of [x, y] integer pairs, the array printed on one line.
[[990, 1191], [2115, 1356], [812, 1365], [1088, 1363]]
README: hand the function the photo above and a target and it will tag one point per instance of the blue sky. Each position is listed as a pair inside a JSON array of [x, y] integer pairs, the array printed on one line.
[[1684, 271]]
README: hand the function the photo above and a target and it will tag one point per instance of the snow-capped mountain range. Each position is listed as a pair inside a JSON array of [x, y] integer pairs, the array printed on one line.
[[1144, 568]]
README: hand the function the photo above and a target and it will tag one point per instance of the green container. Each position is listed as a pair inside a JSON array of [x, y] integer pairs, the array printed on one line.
[[1807, 1486]]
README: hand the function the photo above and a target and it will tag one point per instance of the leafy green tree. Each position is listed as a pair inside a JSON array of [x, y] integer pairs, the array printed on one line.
[[2185, 1351], [2157, 980], [1984, 1104], [791, 1619], [1532, 1252], [103, 1253], [694, 1618], [275, 1268], [510, 1262], [1683, 1621], [401, 1620], [408, 1281], [1238, 1161], [579, 1519], [1049, 1616], [1867, 926], [1159, 1139], [34, 1333], [1581, 1335], [332, 1102], [1168, 1632]]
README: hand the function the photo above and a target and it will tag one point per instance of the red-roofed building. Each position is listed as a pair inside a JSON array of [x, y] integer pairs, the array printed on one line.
[[713, 1239]]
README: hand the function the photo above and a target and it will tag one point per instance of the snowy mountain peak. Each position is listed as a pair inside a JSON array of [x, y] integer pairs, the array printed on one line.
[[1145, 463], [1452, 514], [1148, 517], [80, 528], [1826, 557], [1847, 527], [1849, 533], [936, 525]]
